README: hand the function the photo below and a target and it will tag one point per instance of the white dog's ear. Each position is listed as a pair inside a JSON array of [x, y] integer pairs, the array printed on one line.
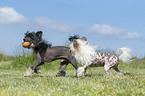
[[75, 44], [84, 38]]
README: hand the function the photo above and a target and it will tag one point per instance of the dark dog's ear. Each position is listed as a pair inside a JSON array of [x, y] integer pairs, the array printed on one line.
[[39, 34], [84, 38], [26, 33], [75, 44]]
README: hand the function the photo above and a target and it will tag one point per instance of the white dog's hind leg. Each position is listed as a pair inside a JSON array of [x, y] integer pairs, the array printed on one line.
[[106, 68], [117, 70], [85, 70]]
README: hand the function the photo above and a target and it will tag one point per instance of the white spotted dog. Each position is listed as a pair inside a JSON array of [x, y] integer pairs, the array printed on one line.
[[88, 57]]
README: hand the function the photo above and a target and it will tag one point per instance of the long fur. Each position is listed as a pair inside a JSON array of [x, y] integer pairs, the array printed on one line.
[[42, 47], [85, 53]]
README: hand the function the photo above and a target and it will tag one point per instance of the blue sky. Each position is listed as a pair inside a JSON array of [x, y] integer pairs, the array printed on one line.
[[106, 23]]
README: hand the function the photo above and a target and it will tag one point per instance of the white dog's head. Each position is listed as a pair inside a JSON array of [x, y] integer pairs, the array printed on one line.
[[82, 51]]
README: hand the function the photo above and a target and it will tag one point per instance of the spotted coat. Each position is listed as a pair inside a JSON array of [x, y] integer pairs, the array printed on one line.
[[107, 60]]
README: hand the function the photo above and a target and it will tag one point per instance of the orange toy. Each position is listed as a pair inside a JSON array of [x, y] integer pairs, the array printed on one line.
[[25, 44]]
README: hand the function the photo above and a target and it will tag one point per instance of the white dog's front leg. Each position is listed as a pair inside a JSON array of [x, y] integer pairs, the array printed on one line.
[[80, 72]]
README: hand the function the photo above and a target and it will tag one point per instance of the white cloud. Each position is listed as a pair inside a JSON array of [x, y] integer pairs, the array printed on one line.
[[130, 35], [105, 30], [110, 31], [46, 24], [9, 16]]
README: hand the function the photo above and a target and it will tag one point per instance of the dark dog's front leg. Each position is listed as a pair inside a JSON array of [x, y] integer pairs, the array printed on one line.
[[37, 69], [63, 64], [38, 63]]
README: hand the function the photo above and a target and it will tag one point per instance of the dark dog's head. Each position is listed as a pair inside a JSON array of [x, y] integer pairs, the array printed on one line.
[[33, 38]]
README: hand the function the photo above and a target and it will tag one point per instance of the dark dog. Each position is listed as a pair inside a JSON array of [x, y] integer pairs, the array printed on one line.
[[44, 52]]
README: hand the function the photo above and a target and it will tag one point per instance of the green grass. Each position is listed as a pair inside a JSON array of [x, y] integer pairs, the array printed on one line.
[[4, 57], [96, 82]]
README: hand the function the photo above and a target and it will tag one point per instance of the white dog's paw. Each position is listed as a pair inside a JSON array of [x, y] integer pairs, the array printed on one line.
[[80, 72]]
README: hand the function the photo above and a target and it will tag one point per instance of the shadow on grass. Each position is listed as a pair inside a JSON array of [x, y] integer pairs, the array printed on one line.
[[127, 74], [92, 75], [36, 75], [70, 76], [86, 76]]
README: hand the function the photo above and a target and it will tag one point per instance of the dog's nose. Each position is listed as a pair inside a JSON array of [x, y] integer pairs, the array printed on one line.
[[24, 40]]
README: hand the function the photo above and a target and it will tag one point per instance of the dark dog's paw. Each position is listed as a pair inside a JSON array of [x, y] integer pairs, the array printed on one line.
[[38, 71], [61, 73]]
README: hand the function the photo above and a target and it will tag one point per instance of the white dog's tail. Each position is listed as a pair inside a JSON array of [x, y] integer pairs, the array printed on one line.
[[125, 55]]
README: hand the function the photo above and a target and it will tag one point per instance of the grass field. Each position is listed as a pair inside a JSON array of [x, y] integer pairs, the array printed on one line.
[[96, 82]]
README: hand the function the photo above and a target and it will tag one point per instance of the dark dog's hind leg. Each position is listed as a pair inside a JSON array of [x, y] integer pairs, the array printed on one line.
[[74, 63], [63, 64]]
